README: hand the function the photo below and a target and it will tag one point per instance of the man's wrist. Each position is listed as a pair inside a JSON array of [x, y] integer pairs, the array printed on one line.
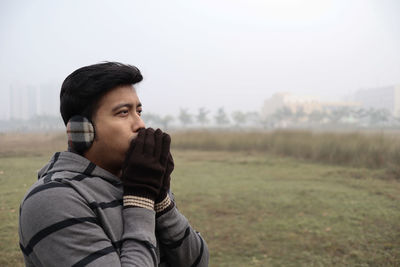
[[130, 201], [165, 205]]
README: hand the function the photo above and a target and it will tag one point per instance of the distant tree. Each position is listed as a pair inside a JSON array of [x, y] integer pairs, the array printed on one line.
[[396, 121], [151, 119], [266, 122], [166, 120], [338, 114], [282, 117], [316, 116], [239, 118], [299, 114], [253, 118], [361, 116], [201, 116], [361, 113], [284, 113], [155, 120], [221, 118], [44, 122], [378, 116], [185, 117]]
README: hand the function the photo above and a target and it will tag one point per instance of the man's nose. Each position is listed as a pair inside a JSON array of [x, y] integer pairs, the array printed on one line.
[[138, 124]]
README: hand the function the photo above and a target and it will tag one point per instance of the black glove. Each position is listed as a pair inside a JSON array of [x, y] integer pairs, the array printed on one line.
[[163, 202], [144, 168]]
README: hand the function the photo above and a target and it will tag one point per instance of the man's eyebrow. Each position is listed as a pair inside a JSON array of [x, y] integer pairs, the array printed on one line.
[[121, 106], [128, 105]]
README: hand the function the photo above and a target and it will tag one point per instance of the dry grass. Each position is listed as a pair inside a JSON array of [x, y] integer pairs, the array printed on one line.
[[370, 150], [355, 149], [31, 144]]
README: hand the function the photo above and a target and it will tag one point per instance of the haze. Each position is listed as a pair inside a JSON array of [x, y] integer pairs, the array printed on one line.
[[231, 54]]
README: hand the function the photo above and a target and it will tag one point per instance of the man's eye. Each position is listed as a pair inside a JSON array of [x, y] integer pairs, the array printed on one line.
[[139, 112], [123, 112]]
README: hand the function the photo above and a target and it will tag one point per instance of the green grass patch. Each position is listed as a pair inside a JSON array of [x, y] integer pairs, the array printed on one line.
[[17, 174], [257, 209]]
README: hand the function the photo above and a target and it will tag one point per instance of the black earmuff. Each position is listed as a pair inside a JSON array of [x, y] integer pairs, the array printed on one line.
[[80, 133]]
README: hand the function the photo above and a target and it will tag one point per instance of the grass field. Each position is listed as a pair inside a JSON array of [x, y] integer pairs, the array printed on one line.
[[255, 209]]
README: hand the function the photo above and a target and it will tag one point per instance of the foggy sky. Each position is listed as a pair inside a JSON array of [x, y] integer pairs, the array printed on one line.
[[206, 53]]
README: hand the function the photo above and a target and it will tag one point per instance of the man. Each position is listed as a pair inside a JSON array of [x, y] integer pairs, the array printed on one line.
[[106, 201]]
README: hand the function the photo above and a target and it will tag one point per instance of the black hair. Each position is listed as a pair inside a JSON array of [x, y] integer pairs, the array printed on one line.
[[82, 89]]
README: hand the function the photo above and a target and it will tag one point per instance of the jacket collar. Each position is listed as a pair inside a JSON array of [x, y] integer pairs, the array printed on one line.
[[72, 162]]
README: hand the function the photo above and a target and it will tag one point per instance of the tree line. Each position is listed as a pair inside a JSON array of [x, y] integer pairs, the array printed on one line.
[[202, 118], [285, 117]]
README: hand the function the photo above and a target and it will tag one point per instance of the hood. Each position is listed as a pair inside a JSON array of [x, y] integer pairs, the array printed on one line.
[[72, 162]]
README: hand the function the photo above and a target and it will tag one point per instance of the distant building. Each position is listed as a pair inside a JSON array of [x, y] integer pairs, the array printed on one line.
[[306, 104], [22, 101], [27, 101], [48, 100], [5, 106], [387, 97]]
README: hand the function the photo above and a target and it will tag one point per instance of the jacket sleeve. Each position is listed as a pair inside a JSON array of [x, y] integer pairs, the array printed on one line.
[[181, 244], [58, 228]]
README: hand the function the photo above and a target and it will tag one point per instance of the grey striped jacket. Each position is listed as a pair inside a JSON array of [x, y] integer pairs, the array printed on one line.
[[73, 216]]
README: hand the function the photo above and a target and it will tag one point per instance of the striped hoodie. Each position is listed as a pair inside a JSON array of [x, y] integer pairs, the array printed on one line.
[[73, 216]]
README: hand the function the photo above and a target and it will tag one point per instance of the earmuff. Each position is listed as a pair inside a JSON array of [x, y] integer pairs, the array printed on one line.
[[80, 133]]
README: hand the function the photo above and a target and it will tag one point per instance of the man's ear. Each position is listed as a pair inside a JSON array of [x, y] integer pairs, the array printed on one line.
[[80, 133]]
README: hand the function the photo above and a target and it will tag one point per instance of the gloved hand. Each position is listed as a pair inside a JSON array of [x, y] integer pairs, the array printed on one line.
[[144, 168], [163, 202]]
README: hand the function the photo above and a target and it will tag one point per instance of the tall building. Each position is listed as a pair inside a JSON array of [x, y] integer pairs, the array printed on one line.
[[27, 101], [22, 101], [387, 97], [5, 105], [48, 100]]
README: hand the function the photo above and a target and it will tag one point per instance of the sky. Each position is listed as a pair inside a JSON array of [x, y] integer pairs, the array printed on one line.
[[210, 53]]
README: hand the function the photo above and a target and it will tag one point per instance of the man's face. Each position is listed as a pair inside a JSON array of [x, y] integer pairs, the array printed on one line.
[[116, 121]]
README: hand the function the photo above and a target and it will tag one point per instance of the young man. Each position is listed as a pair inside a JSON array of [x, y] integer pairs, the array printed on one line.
[[106, 201]]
